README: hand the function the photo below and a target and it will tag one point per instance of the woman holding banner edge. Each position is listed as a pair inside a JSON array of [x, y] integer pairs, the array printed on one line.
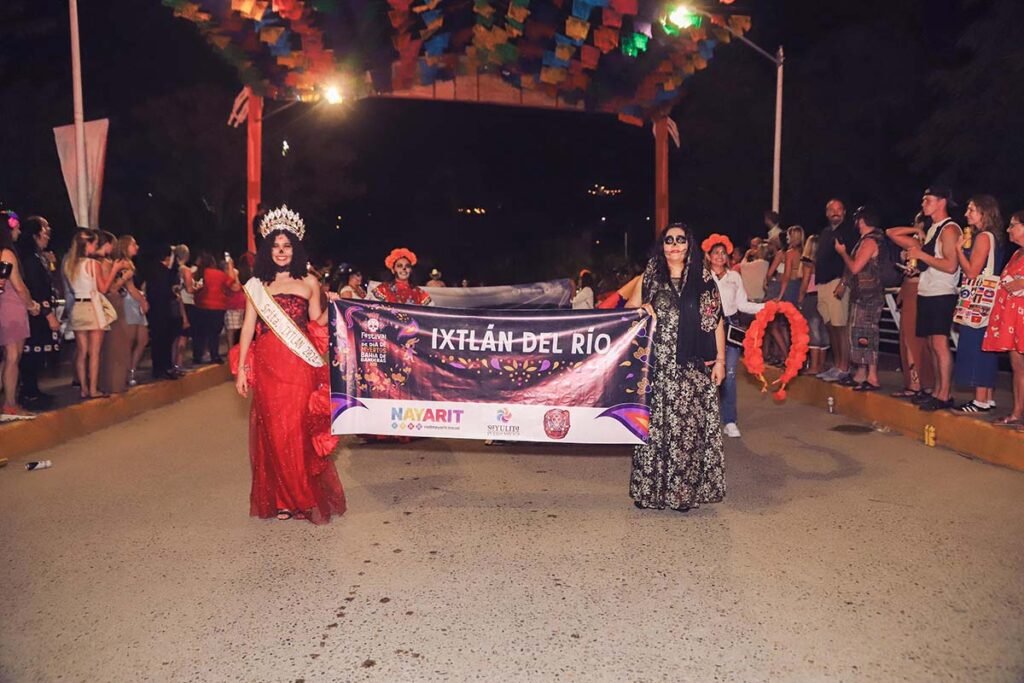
[[280, 358], [682, 463]]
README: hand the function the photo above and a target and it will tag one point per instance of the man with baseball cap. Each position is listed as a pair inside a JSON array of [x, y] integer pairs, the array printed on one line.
[[937, 288]]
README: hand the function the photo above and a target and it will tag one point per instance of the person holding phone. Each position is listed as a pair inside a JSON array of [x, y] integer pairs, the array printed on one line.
[[211, 304]]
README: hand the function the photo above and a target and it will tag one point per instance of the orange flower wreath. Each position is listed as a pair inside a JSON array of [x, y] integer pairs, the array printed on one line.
[[400, 252], [800, 339]]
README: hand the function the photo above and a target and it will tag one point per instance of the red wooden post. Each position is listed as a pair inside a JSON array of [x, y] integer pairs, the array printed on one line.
[[254, 167], [660, 174]]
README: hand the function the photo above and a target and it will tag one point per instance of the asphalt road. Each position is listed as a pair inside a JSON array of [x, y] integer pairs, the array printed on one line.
[[835, 557]]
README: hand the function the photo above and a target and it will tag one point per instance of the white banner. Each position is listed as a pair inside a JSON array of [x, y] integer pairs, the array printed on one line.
[[96, 156], [548, 294], [504, 422]]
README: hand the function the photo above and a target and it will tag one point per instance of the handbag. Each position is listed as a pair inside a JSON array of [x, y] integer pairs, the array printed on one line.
[[976, 296], [735, 333], [109, 312]]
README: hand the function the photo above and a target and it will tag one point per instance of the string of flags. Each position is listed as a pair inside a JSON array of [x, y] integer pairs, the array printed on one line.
[[628, 57]]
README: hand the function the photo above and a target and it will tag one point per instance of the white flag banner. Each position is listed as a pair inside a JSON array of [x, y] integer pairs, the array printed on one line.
[[96, 156], [548, 294]]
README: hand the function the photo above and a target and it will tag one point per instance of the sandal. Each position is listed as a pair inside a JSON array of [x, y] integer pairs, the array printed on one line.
[[867, 386], [905, 393], [284, 515], [1009, 421]]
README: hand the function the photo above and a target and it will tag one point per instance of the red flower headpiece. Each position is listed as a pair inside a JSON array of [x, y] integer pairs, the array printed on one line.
[[709, 244], [396, 254]]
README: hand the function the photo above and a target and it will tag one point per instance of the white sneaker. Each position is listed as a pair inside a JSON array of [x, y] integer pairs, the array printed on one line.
[[730, 429]]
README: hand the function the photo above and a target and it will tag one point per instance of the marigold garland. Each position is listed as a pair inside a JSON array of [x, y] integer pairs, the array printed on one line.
[[800, 339]]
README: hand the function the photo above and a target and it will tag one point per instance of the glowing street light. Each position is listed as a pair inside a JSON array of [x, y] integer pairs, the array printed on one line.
[[683, 17], [332, 95]]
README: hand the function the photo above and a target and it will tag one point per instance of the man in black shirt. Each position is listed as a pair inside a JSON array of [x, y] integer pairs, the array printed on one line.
[[833, 300], [164, 310]]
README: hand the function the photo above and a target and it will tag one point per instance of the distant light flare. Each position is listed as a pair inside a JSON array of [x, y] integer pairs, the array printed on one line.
[[333, 95]]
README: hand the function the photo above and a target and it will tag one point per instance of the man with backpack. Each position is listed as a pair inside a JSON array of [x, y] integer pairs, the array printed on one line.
[[863, 279]]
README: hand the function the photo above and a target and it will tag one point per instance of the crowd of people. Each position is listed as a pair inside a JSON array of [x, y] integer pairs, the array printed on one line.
[[113, 306], [952, 290], [697, 293]]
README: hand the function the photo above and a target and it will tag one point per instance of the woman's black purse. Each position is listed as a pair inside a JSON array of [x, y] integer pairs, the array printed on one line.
[[735, 331]]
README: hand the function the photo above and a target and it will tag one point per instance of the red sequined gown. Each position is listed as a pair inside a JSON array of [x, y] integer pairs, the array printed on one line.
[[289, 425]]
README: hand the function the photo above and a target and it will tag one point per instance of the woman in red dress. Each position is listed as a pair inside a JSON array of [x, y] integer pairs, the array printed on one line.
[[1006, 324], [400, 291], [280, 359]]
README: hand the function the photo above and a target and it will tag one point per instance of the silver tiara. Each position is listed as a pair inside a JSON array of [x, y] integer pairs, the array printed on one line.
[[283, 219]]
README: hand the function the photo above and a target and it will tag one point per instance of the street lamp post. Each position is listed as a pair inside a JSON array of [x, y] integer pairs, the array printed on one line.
[[778, 59], [685, 16], [81, 178]]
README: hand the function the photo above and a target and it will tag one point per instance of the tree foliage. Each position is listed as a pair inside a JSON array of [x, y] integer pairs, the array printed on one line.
[[973, 136]]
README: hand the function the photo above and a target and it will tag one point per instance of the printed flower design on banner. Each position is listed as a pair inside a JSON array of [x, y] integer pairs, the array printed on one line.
[[521, 372], [373, 377], [641, 352]]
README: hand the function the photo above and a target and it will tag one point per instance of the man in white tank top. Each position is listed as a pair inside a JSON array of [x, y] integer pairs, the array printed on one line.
[[937, 291]]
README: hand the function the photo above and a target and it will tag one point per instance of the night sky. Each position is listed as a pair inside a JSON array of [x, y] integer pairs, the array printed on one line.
[[864, 81]]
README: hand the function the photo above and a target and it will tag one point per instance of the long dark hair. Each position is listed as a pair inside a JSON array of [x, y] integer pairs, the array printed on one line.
[[203, 261], [30, 229], [5, 238], [264, 267]]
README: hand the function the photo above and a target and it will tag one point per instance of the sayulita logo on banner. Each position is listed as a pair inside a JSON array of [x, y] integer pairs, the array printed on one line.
[[572, 376]]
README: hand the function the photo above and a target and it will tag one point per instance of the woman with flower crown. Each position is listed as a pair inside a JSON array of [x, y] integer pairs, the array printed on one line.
[[280, 358], [400, 290]]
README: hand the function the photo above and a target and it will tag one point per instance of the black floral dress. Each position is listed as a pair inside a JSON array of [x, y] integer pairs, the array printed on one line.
[[682, 463]]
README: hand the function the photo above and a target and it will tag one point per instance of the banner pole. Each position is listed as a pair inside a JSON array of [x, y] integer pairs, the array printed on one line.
[[82, 189]]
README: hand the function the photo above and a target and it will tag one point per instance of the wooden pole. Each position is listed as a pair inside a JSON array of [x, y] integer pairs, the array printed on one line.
[[254, 167], [660, 174]]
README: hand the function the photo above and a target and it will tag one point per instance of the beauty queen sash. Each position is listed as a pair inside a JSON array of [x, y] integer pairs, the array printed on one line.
[[281, 324]]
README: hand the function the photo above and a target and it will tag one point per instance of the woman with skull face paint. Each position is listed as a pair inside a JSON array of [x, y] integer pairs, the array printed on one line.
[[400, 291], [280, 359], [682, 463]]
